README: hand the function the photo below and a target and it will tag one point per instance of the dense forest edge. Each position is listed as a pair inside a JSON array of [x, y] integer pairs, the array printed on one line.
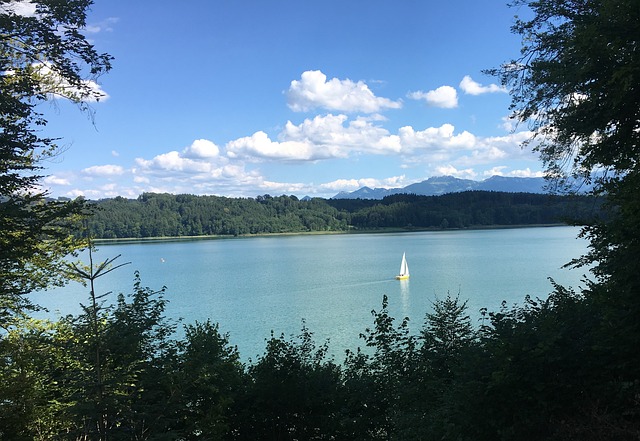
[[166, 215], [565, 367]]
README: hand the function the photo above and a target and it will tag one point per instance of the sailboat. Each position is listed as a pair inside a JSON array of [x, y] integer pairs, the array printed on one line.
[[404, 269]]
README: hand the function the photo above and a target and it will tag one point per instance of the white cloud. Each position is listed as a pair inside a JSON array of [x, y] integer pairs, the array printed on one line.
[[509, 123], [55, 86], [198, 169], [495, 171], [105, 25], [450, 170], [103, 170], [342, 185], [470, 87], [173, 161], [109, 190], [525, 173], [141, 179], [484, 154], [201, 148], [511, 143], [354, 184], [55, 180], [259, 145], [204, 168], [285, 187], [202, 158], [322, 137], [23, 8], [442, 137], [314, 91], [445, 97], [332, 138]]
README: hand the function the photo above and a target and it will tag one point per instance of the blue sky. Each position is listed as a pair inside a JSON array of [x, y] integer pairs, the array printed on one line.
[[243, 98]]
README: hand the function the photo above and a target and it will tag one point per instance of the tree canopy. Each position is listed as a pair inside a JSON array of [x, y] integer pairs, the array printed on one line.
[[577, 83], [43, 56]]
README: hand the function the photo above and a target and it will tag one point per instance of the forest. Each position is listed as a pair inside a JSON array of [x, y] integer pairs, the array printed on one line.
[[166, 215], [566, 367]]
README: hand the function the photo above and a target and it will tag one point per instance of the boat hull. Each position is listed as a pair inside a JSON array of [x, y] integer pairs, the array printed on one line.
[[402, 277]]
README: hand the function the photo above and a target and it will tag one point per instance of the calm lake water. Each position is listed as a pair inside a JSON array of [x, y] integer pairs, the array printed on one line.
[[251, 286]]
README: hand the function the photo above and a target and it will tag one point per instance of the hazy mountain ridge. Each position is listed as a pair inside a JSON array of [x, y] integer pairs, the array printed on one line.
[[448, 184]]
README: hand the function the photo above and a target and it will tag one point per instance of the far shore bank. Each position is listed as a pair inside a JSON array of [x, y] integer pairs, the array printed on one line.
[[318, 233]]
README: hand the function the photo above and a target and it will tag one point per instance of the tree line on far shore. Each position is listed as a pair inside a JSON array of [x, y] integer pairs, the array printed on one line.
[[166, 215]]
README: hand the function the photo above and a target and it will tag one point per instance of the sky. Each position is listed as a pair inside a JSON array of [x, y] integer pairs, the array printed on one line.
[[242, 98]]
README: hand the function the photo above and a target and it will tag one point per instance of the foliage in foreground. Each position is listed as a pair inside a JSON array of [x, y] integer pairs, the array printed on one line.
[[537, 371]]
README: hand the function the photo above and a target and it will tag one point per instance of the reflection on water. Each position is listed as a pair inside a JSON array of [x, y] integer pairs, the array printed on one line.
[[405, 297]]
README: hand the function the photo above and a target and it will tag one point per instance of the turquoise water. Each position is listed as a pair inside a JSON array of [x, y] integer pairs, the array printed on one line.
[[252, 286]]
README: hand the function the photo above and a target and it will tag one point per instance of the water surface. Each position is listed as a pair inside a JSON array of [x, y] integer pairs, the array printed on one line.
[[252, 286]]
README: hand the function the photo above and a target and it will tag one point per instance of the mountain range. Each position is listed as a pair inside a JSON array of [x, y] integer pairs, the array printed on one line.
[[448, 184]]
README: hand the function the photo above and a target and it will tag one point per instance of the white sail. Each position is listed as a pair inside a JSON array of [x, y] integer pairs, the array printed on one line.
[[404, 268]]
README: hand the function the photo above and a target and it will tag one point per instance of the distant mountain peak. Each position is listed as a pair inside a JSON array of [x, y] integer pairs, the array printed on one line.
[[437, 185]]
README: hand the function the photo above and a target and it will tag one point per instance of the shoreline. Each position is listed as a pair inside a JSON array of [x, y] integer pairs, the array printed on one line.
[[318, 233]]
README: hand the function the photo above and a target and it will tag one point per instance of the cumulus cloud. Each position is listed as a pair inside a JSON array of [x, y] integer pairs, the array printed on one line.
[[174, 161], [334, 137], [442, 137], [470, 87], [323, 137], [259, 145], [201, 157], [103, 170], [201, 148], [204, 168], [314, 91], [445, 97]]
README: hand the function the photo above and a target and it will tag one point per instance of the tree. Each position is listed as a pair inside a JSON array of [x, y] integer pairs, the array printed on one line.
[[293, 393], [577, 83], [121, 386], [42, 55], [446, 334], [208, 382], [380, 387], [36, 403]]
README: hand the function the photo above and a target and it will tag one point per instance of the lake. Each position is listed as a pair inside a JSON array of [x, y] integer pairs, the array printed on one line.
[[254, 285]]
